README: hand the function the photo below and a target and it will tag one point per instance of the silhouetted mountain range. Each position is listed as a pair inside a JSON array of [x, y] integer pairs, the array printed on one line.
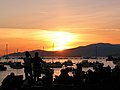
[[99, 49]]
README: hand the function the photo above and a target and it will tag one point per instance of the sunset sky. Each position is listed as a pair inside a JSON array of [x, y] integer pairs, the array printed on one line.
[[37, 24]]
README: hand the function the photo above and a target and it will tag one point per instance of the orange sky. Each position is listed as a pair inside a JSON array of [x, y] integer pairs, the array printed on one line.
[[29, 25], [31, 39]]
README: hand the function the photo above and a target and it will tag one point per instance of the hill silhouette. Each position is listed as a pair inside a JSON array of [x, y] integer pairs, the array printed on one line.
[[98, 49]]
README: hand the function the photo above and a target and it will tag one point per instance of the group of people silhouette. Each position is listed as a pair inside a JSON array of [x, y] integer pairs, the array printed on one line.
[[32, 66], [101, 76]]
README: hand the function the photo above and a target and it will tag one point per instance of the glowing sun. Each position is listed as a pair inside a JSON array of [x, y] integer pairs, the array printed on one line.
[[61, 40]]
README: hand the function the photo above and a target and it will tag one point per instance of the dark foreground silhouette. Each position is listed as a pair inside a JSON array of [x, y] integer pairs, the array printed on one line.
[[101, 78]]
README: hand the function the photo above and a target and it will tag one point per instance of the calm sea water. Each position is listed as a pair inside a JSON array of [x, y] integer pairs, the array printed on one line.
[[3, 74]]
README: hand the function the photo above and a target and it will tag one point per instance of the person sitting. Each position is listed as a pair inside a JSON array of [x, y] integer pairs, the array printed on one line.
[[8, 82], [48, 78], [64, 77]]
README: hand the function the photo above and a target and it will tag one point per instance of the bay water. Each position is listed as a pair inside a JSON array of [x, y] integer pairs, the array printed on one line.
[[75, 60]]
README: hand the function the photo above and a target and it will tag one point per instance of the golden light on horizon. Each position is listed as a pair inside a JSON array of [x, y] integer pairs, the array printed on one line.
[[61, 40]]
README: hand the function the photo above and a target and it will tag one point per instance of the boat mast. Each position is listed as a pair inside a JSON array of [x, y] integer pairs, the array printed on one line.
[[6, 52], [42, 55], [17, 54], [53, 52], [96, 52]]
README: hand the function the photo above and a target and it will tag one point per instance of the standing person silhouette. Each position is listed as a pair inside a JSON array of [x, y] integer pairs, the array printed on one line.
[[27, 65], [37, 66]]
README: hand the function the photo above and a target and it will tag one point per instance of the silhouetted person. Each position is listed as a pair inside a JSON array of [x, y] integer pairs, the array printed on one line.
[[37, 66], [48, 78], [78, 75], [116, 73], [9, 82], [27, 65], [64, 77], [89, 76]]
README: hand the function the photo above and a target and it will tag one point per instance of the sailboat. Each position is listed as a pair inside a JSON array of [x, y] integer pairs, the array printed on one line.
[[2, 67], [54, 64], [6, 53], [16, 65], [96, 53], [2, 64], [96, 57]]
